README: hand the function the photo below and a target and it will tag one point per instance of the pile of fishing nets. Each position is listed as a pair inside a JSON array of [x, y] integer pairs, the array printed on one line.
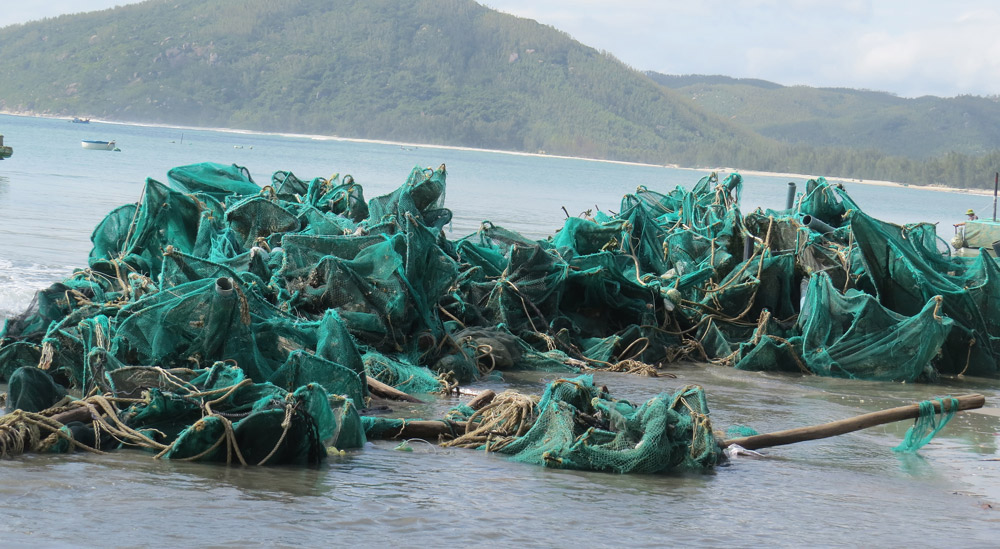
[[282, 296]]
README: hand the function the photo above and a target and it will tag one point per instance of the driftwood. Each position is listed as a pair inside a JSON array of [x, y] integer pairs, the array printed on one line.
[[849, 425]]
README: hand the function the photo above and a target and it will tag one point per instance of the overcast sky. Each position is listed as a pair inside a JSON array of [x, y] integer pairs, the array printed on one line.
[[907, 47]]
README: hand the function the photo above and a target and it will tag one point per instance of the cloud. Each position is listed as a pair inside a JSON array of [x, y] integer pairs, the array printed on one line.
[[909, 47], [955, 55]]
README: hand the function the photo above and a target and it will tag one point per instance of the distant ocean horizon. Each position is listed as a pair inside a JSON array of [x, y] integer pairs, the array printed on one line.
[[326, 137]]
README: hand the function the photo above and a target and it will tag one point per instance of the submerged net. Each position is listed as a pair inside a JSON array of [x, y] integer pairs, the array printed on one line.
[[306, 284]]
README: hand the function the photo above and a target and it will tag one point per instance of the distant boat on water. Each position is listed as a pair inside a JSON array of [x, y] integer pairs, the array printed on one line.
[[76, 120], [5, 152], [98, 145]]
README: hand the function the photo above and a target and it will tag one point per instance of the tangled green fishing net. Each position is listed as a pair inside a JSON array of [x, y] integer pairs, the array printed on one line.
[[580, 426], [305, 284], [928, 423]]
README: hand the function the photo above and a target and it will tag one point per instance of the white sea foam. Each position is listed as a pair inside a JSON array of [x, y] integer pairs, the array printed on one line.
[[19, 282]]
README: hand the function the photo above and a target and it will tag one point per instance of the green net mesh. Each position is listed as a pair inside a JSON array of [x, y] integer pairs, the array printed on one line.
[[928, 423], [579, 426]]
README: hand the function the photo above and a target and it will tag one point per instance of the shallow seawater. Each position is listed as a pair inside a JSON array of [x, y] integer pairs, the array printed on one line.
[[849, 490]]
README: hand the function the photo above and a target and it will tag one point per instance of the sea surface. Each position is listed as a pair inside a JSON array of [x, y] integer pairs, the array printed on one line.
[[851, 490]]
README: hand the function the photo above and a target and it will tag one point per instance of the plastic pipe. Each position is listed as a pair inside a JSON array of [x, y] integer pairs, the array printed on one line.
[[815, 224], [996, 183], [224, 286], [790, 199]]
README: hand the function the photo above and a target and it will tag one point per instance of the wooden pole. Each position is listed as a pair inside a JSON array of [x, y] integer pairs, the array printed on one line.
[[380, 389], [832, 429], [429, 430], [80, 413], [482, 399], [434, 429]]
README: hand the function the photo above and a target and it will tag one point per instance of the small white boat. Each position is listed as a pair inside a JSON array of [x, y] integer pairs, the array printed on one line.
[[98, 145]]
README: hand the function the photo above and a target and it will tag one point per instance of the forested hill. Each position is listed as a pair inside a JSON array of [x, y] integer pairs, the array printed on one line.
[[434, 71], [919, 128]]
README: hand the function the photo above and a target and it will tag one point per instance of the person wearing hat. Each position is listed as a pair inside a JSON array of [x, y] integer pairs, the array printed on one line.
[[971, 217]]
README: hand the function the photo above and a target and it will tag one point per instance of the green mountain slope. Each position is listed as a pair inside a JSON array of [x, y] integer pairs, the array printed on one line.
[[435, 71], [918, 128]]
